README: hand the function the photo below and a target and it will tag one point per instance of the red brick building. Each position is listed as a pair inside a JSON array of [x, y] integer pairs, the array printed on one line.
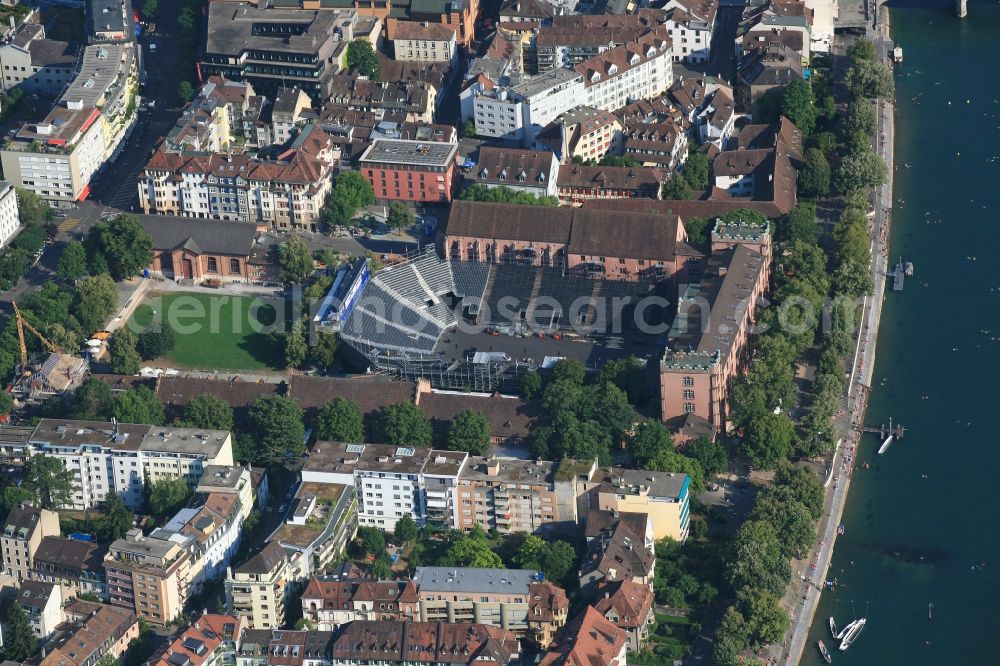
[[591, 242], [406, 170]]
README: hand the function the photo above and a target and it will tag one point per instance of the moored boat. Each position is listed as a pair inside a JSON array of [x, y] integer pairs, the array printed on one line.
[[885, 445], [823, 651], [833, 627], [853, 634], [843, 632]]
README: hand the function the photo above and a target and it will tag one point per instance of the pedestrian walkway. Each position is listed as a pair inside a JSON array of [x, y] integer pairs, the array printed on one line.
[[68, 223]]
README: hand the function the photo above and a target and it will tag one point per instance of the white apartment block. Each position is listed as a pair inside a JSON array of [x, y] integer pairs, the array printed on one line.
[[691, 35], [521, 111], [640, 69], [106, 457], [9, 220], [33, 63], [423, 42], [210, 533]]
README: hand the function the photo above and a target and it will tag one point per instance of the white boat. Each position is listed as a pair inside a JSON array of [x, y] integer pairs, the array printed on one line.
[[885, 445], [833, 627], [853, 634], [845, 630]]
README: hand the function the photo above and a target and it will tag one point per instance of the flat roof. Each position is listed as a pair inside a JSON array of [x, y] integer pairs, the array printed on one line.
[[468, 579], [184, 440], [233, 27], [670, 485], [221, 476], [407, 151], [532, 85], [535, 472], [100, 68]]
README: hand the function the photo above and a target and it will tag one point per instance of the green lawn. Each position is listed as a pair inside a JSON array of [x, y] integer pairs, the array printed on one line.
[[215, 331]]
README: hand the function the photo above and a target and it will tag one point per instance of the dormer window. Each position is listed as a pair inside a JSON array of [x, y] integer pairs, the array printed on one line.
[[634, 60], [595, 77], [612, 70], [502, 175], [541, 177], [651, 52]]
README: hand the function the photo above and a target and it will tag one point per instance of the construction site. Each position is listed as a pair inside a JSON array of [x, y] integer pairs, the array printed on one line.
[[44, 374]]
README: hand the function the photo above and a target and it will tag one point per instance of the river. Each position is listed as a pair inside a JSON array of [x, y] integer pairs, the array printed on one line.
[[922, 523]]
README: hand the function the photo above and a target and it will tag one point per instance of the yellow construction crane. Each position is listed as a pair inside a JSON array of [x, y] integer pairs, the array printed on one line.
[[21, 324]]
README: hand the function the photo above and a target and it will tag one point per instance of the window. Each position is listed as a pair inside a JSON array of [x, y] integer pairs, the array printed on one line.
[[688, 394], [213, 265], [688, 381], [234, 265], [689, 408]]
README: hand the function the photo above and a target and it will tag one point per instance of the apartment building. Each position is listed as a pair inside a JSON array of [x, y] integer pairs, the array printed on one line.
[[10, 222], [708, 343], [638, 69], [517, 600], [271, 48], [534, 172], [92, 631], [589, 639], [288, 113], [423, 41], [690, 32], [23, 531], [417, 643], [620, 547], [76, 566], [572, 38], [511, 496], [148, 575], [321, 523], [283, 193], [663, 496], [257, 591], [408, 170], [105, 457], [227, 480], [34, 63], [583, 133], [210, 531], [204, 125], [520, 111], [578, 183], [108, 21], [329, 603], [210, 640], [630, 606], [42, 603], [412, 98]]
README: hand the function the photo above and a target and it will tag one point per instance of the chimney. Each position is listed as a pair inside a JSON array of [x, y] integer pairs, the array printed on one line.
[[423, 386]]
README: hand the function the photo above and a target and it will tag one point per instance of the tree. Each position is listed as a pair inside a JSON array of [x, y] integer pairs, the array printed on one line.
[[323, 352], [406, 529], [186, 18], [731, 639], [19, 639], [369, 541], [276, 424], [295, 347], [696, 171], [871, 79], [558, 561], [798, 105], [350, 192], [504, 194], [568, 370], [154, 344], [469, 431], [711, 456], [802, 485], [799, 224], [860, 171], [790, 518], [125, 359], [138, 405], [6, 403], [208, 411], [618, 161], [92, 400], [72, 261], [340, 420], [185, 90], [400, 216], [670, 461], [118, 517], [861, 117], [150, 8], [677, 188], [361, 58], [851, 238], [852, 278], [31, 208], [403, 424], [124, 244], [167, 496], [814, 179], [649, 439], [294, 260], [629, 374], [96, 301], [769, 440], [824, 141], [471, 552], [861, 49], [49, 480], [13, 495], [756, 560], [531, 385], [469, 128], [766, 620]]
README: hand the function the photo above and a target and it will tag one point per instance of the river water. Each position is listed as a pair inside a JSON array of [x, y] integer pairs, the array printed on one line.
[[923, 523]]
